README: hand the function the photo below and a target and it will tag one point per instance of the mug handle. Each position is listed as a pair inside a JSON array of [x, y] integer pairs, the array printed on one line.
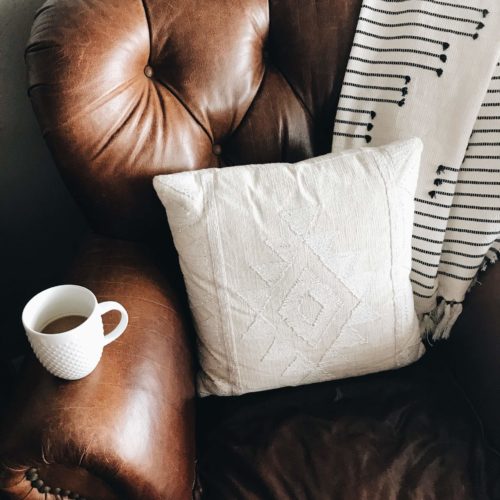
[[105, 307]]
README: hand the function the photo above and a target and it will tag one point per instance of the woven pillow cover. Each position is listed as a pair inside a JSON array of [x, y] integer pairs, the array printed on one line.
[[298, 273]]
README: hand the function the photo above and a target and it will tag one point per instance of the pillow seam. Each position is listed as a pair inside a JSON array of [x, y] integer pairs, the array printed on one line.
[[388, 200], [215, 240]]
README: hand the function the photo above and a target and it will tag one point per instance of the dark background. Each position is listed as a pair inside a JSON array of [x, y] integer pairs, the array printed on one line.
[[40, 225]]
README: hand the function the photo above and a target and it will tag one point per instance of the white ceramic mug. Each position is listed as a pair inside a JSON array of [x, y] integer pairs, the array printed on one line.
[[75, 353]]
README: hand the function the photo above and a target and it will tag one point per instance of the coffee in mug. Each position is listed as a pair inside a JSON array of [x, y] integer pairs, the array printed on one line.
[[64, 327], [64, 324]]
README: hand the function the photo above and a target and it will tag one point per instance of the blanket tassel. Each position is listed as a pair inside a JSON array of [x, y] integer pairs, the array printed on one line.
[[443, 327], [437, 324]]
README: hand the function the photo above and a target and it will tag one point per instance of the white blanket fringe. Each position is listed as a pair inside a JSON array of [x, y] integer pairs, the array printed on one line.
[[437, 324]]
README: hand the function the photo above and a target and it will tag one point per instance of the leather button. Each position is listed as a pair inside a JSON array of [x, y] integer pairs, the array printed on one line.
[[148, 71], [216, 149]]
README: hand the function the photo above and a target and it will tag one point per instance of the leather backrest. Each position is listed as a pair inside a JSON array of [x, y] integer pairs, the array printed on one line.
[[127, 89]]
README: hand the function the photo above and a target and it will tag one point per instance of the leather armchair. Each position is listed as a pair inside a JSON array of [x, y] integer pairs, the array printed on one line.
[[125, 90], [109, 435]]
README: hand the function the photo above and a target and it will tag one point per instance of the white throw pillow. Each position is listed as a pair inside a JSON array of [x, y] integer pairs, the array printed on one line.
[[298, 273]]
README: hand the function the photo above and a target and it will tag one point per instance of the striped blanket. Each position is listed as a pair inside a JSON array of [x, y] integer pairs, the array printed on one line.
[[429, 68]]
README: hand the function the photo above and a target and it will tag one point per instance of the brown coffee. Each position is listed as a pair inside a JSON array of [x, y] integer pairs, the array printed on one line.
[[64, 324]]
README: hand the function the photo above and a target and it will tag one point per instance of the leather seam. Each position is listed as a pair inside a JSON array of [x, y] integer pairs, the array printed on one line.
[[41, 10], [295, 92], [259, 89], [262, 78], [292, 88], [36, 86], [168, 87], [122, 123], [94, 105], [252, 103], [174, 93], [148, 24]]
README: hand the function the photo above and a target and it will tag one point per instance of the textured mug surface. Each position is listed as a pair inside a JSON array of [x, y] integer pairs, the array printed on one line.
[[75, 353]]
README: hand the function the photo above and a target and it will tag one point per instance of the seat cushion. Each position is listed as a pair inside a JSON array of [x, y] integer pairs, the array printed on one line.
[[404, 434]]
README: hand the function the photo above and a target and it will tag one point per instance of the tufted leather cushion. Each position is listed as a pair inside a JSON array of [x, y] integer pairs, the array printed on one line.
[[125, 90]]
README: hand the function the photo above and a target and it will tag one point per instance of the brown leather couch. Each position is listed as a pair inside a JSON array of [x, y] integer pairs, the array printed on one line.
[[126, 89]]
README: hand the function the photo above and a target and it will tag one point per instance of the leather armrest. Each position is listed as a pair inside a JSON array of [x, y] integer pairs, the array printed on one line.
[[126, 430], [474, 351]]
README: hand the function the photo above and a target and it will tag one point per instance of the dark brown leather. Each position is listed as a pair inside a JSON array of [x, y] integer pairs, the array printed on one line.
[[126, 430], [259, 79], [401, 435], [474, 351]]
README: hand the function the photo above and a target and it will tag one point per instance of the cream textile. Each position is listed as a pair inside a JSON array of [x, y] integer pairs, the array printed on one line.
[[429, 69], [298, 273]]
